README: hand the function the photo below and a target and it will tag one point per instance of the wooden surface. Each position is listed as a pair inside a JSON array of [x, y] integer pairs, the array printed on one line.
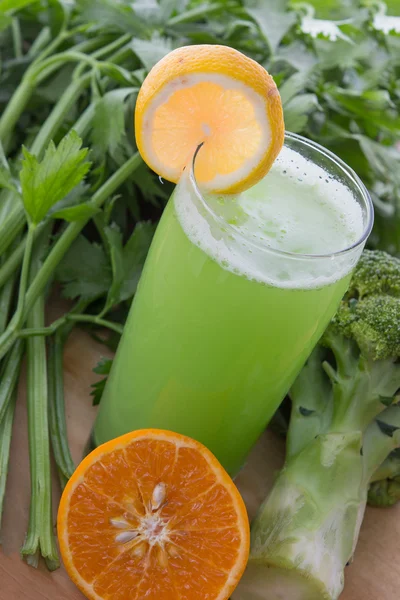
[[374, 575]]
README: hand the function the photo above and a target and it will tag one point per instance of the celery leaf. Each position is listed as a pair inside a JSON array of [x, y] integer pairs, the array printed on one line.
[[47, 182]]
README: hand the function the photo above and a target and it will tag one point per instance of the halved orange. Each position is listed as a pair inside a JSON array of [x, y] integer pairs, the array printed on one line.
[[217, 96], [153, 515]]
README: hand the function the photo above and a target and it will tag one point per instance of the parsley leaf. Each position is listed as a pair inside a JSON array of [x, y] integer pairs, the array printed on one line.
[[168, 7], [47, 182], [340, 53], [296, 111], [85, 271], [293, 85], [111, 15], [89, 272], [385, 161], [272, 18], [151, 51], [108, 132], [298, 56], [149, 12]]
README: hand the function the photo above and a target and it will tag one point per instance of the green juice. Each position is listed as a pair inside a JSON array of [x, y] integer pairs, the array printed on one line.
[[223, 319]]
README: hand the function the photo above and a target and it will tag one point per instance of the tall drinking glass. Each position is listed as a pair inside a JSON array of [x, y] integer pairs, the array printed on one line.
[[235, 293]]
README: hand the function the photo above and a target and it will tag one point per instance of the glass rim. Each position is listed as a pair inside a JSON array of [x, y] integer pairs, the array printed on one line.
[[338, 162]]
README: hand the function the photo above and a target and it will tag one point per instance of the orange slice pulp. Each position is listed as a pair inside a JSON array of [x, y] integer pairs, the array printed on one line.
[[217, 96], [153, 515]]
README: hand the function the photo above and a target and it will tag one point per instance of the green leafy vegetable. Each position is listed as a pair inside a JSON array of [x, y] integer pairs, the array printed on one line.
[[85, 271], [112, 15], [272, 18], [108, 133], [297, 110], [14, 5], [47, 182], [83, 211], [151, 51], [89, 272]]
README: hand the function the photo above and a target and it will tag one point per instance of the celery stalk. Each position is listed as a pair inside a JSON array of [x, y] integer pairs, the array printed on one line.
[[6, 425], [40, 538], [58, 426], [8, 386]]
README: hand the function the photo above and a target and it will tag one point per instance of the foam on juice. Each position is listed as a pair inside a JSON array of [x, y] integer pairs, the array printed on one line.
[[298, 209]]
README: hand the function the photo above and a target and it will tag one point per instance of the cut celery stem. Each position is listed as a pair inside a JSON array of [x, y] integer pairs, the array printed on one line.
[[40, 538]]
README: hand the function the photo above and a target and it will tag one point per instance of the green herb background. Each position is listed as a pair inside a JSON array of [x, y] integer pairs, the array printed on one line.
[[79, 207]]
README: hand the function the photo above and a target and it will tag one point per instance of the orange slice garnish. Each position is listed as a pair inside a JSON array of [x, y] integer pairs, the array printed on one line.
[[215, 95], [153, 515]]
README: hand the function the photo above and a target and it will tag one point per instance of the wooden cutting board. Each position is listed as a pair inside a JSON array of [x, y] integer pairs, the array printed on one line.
[[374, 575]]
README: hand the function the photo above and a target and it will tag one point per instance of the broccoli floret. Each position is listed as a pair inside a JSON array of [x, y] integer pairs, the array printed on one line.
[[370, 311], [373, 322], [343, 430], [377, 273]]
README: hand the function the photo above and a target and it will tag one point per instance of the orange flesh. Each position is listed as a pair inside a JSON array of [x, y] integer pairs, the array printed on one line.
[[216, 95], [181, 525], [224, 119]]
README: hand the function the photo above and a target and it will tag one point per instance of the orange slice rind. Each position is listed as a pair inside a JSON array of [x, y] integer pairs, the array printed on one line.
[[217, 96]]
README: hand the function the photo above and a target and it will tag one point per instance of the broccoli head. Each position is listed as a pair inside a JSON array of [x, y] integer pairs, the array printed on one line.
[[377, 273], [370, 311]]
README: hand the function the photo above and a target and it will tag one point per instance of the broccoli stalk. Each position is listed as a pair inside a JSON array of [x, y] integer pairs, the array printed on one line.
[[344, 425]]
